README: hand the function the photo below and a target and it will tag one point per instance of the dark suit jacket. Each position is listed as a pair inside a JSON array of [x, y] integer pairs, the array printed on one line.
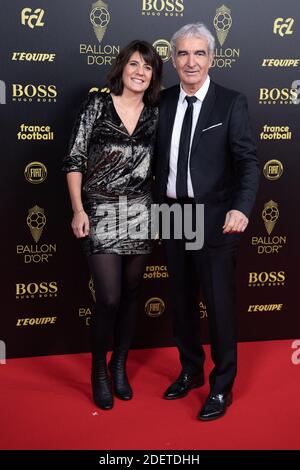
[[223, 164]]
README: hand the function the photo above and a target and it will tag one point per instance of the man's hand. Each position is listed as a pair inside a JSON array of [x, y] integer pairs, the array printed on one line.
[[235, 222], [80, 224]]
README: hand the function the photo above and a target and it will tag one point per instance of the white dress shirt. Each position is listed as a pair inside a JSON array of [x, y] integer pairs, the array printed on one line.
[[181, 108]]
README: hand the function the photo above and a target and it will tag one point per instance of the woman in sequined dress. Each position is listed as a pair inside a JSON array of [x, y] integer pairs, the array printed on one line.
[[108, 168]]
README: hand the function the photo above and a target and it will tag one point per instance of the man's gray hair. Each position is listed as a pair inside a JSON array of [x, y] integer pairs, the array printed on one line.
[[198, 30]]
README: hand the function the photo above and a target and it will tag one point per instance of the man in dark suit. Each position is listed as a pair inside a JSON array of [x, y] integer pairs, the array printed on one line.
[[205, 155]]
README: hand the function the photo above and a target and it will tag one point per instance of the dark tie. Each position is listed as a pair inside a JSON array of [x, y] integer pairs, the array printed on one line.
[[184, 149]]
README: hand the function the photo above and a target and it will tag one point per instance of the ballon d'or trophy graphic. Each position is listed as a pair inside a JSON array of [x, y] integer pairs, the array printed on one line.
[[36, 221], [222, 23], [270, 215], [99, 18]]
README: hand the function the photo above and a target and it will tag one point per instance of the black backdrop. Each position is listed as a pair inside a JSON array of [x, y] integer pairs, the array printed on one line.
[[46, 299]]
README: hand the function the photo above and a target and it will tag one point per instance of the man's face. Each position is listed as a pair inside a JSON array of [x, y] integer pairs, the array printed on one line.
[[192, 61]]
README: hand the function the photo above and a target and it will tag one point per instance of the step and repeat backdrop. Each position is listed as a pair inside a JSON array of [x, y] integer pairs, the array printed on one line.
[[55, 52]]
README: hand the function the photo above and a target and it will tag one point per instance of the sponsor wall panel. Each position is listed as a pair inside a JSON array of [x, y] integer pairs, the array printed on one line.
[[52, 57]]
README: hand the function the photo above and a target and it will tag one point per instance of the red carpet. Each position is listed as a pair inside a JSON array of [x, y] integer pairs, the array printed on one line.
[[45, 403]]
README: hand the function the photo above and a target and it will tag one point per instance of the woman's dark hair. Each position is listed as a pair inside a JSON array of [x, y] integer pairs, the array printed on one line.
[[150, 56]]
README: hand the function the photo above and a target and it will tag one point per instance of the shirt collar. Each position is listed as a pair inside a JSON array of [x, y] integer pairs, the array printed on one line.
[[200, 94]]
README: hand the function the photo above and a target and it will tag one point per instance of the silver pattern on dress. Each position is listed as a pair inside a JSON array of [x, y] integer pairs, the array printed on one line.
[[114, 164]]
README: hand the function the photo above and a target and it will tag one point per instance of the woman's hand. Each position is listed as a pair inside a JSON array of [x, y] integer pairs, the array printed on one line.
[[80, 224]]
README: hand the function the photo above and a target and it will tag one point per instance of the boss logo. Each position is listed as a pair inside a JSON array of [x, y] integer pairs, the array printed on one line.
[[32, 91], [271, 278], [278, 95], [167, 6], [34, 288]]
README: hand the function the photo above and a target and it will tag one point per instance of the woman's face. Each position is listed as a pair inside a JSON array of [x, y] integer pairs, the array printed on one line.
[[136, 74]]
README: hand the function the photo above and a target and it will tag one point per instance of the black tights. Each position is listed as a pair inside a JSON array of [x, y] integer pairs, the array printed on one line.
[[117, 279]]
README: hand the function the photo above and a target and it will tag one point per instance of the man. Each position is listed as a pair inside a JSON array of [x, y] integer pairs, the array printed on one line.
[[205, 155]]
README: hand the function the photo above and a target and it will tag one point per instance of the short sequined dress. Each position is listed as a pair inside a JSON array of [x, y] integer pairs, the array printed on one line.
[[116, 168]]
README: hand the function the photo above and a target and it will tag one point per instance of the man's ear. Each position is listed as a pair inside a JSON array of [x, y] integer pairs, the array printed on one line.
[[173, 62]]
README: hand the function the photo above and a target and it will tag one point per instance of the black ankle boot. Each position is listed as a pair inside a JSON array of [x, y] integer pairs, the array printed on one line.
[[117, 367], [101, 383]]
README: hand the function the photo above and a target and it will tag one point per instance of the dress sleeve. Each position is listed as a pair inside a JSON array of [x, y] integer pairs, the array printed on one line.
[[77, 155]]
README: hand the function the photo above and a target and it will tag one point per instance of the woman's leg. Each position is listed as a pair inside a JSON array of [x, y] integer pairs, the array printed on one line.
[[132, 275], [132, 270], [106, 271]]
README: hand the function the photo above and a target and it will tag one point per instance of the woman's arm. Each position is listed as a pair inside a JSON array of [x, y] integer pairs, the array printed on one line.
[[80, 222], [75, 162]]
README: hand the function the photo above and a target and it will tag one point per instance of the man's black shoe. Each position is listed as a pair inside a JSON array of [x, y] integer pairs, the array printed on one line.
[[215, 406], [181, 387]]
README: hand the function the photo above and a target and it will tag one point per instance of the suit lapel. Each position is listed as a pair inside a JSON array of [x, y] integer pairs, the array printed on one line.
[[206, 109]]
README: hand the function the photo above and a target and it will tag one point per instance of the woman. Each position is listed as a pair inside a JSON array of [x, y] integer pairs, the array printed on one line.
[[109, 163]]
